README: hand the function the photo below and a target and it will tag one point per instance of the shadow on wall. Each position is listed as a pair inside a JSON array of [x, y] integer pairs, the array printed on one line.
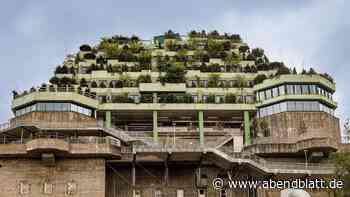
[[294, 193]]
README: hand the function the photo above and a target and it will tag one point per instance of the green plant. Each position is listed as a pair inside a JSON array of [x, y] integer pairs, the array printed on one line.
[[232, 59], [124, 80], [175, 73], [200, 56], [85, 47], [341, 162], [89, 56], [181, 55], [211, 98], [230, 98], [110, 49], [214, 48], [83, 82], [144, 79], [145, 58], [258, 52], [243, 48], [213, 80], [259, 78], [54, 80]]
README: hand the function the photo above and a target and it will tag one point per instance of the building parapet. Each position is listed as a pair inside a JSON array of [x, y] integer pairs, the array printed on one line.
[[66, 146], [282, 79], [56, 94], [177, 106], [301, 97]]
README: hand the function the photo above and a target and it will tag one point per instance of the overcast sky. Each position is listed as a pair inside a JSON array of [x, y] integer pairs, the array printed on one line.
[[36, 35]]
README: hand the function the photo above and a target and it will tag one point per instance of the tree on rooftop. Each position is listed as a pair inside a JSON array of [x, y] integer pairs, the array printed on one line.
[[110, 49], [312, 72], [214, 48], [175, 73], [85, 47], [232, 59], [243, 48], [145, 58], [181, 55], [54, 80], [258, 52], [259, 78]]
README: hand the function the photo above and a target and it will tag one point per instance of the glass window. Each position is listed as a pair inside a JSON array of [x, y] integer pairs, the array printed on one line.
[[281, 90], [283, 106], [312, 89], [297, 89], [305, 89], [268, 94], [205, 98], [290, 89], [262, 95], [299, 106], [291, 106], [275, 92]]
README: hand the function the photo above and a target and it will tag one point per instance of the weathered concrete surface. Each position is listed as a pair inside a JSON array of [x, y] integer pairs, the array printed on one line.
[[30, 178]]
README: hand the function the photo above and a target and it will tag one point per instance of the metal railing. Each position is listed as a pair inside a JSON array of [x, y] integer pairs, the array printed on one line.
[[55, 88], [69, 139]]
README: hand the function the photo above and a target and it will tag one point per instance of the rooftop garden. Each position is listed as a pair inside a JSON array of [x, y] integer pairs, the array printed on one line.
[[208, 52]]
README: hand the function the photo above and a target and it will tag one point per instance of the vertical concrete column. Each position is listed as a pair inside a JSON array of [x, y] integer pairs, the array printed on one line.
[[155, 126], [247, 139], [108, 122], [155, 97], [201, 127]]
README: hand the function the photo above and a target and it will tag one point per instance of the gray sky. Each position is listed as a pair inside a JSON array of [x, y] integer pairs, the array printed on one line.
[[36, 35]]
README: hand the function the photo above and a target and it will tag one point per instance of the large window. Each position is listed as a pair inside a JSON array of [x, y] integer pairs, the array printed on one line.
[[289, 89], [54, 107], [294, 106]]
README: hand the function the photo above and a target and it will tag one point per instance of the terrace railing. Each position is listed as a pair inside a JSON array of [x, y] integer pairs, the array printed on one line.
[[54, 88]]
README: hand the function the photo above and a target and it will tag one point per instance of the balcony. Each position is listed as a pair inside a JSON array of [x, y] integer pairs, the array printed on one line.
[[61, 146], [53, 93], [158, 87], [296, 79], [270, 145], [47, 145]]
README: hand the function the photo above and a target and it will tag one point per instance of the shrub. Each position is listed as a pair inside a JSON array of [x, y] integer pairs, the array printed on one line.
[[175, 73], [230, 98], [85, 47], [54, 80], [89, 56], [144, 79], [243, 48], [211, 98], [258, 52], [213, 80], [83, 82], [214, 48], [259, 78], [236, 38], [94, 84]]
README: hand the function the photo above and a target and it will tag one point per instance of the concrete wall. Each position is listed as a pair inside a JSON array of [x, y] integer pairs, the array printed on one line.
[[81, 177], [299, 124], [150, 177]]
